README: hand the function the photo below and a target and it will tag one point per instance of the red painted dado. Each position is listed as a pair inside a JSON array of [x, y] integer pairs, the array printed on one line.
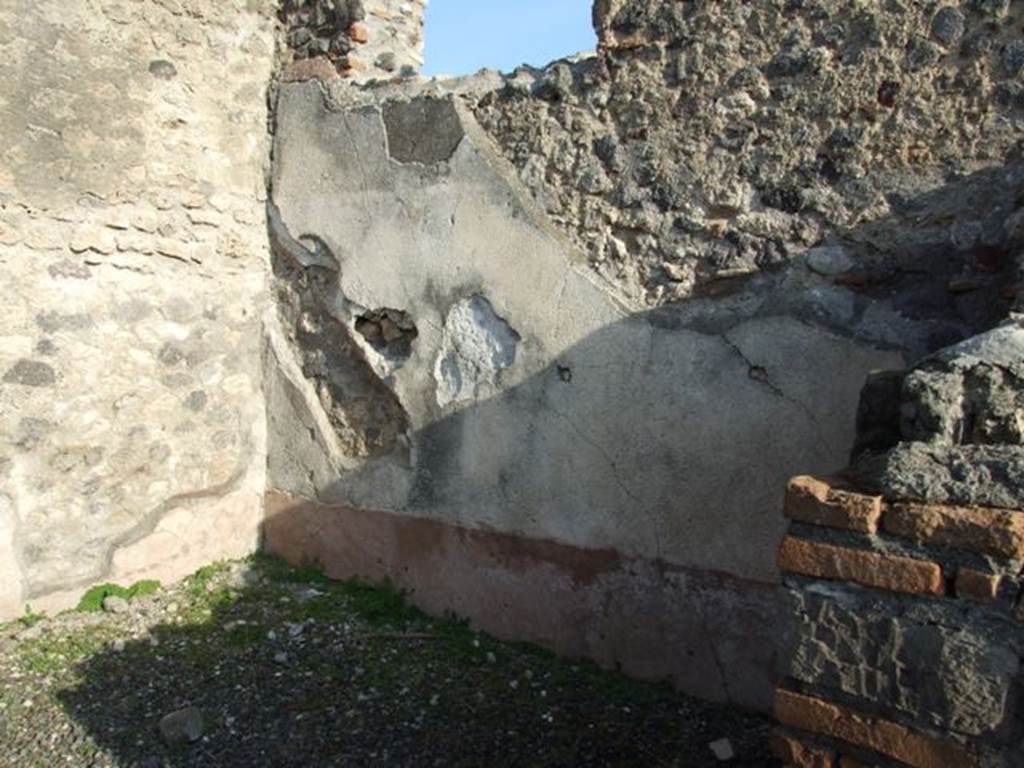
[[712, 635]]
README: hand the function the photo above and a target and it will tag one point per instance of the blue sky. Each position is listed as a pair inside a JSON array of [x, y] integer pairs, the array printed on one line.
[[463, 36]]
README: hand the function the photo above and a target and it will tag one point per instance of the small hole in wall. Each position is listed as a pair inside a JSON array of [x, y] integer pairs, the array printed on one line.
[[465, 36], [389, 331]]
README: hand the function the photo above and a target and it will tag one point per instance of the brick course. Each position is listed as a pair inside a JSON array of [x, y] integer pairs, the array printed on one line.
[[887, 738], [974, 529], [814, 500], [825, 561], [977, 585], [801, 755]]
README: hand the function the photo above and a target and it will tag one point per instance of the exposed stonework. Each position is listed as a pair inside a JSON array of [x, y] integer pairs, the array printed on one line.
[[544, 348], [948, 667], [361, 39], [324, 329], [952, 428], [132, 251], [716, 140], [918, 657]]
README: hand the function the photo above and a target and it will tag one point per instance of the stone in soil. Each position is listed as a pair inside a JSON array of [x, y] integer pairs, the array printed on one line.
[[115, 604], [722, 749], [182, 727]]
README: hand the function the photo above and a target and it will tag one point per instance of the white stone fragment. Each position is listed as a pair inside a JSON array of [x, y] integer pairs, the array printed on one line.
[[722, 749]]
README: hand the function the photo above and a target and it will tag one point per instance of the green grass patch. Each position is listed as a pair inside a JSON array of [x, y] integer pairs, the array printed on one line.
[[53, 654], [198, 582], [30, 619], [279, 570], [380, 605], [222, 621], [92, 600], [245, 636]]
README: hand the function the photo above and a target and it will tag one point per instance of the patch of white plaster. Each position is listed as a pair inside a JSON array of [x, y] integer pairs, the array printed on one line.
[[476, 346]]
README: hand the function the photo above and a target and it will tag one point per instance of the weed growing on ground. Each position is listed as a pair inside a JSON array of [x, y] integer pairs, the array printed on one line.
[[51, 654], [30, 619], [92, 600]]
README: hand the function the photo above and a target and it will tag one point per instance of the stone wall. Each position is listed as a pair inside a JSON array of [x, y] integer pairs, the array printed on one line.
[[378, 39], [909, 639], [909, 606], [541, 348], [713, 141], [133, 258], [952, 430], [606, 308]]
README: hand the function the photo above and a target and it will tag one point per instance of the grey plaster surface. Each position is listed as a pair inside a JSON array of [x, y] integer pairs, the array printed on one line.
[[667, 434]]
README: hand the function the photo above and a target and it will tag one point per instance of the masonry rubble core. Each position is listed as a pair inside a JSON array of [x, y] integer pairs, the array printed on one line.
[[570, 332]]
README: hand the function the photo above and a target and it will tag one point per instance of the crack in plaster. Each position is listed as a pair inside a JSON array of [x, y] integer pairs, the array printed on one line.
[[760, 375], [655, 527]]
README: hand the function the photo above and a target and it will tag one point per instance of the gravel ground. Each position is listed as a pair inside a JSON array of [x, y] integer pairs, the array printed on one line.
[[289, 669]]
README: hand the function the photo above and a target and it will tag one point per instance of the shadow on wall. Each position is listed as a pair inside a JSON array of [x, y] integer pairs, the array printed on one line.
[[951, 258], [289, 669], [659, 446], [609, 449], [769, 378]]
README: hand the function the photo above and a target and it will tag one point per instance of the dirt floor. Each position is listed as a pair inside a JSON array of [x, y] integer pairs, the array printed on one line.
[[260, 664]]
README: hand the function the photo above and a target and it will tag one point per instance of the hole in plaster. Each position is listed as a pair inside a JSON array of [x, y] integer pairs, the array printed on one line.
[[463, 38], [390, 332]]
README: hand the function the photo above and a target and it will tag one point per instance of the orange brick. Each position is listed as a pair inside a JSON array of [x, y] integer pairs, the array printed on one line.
[[975, 529], [890, 739], [358, 33], [826, 561], [813, 500], [977, 585], [801, 755]]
